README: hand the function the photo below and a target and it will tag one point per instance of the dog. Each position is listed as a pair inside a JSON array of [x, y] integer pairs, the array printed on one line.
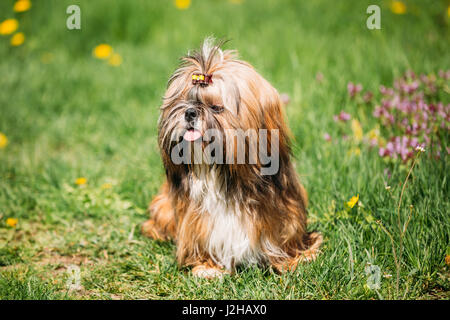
[[222, 214]]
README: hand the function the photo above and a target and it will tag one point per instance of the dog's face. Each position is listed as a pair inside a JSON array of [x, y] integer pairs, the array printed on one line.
[[237, 101]]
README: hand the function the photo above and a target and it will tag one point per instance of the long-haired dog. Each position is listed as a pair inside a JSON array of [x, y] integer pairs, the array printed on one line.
[[247, 208]]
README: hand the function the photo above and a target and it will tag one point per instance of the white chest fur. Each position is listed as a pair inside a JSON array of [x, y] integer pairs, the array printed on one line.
[[229, 243]]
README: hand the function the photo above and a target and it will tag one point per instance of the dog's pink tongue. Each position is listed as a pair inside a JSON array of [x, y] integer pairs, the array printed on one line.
[[192, 135]]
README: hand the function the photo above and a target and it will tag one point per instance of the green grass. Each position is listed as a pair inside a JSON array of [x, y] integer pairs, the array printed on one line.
[[69, 115]]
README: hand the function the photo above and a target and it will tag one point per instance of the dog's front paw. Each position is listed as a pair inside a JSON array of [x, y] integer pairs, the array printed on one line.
[[207, 272], [149, 229]]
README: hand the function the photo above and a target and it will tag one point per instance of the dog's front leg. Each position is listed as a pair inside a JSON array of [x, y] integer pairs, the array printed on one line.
[[192, 245], [312, 242], [162, 224]]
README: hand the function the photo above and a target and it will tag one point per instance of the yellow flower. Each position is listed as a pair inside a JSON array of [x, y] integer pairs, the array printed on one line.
[[236, 1], [182, 4], [103, 51], [353, 201], [81, 181], [447, 260], [115, 60], [448, 11], [3, 141], [373, 134], [398, 7], [106, 186], [356, 151], [357, 130], [8, 26], [47, 57], [12, 222], [22, 5], [17, 39]]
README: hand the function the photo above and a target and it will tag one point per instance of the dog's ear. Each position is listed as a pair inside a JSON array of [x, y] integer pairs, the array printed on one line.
[[273, 114], [278, 134], [177, 87]]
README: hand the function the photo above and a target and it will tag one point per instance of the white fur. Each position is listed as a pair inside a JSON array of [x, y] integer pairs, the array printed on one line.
[[205, 272], [229, 242]]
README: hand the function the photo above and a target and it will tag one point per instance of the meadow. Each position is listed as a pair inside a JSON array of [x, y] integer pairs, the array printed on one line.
[[79, 160]]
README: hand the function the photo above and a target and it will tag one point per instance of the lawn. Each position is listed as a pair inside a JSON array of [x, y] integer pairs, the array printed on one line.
[[66, 115]]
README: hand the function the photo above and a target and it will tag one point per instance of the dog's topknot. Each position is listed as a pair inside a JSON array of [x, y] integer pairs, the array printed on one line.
[[205, 60], [209, 54]]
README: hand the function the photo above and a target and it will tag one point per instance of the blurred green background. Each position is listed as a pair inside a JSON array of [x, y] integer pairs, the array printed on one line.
[[67, 114]]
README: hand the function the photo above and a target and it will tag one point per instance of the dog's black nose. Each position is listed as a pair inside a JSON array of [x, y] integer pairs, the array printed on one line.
[[190, 114]]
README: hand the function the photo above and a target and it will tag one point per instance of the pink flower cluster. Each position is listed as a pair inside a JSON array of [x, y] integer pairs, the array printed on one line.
[[413, 114], [342, 116], [353, 89], [402, 147]]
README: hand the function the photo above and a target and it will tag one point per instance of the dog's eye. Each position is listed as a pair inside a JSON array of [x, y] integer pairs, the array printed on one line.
[[217, 109]]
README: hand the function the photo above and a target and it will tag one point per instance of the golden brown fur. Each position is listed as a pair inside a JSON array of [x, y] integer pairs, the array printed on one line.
[[269, 209]]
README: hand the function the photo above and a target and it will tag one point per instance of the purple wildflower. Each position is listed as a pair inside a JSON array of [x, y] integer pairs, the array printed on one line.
[[353, 89], [412, 115], [342, 116], [368, 97], [319, 77], [285, 99]]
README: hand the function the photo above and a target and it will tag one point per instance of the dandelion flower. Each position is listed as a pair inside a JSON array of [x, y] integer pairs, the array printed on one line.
[[354, 200], [80, 181], [236, 1], [106, 186], [22, 5], [103, 51], [3, 141], [8, 26], [447, 260], [448, 11], [115, 60], [398, 7], [12, 222], [17, 39], [182, 4]]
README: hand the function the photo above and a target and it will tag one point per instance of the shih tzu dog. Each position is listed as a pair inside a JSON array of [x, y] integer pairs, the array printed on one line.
[[232, 195]]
